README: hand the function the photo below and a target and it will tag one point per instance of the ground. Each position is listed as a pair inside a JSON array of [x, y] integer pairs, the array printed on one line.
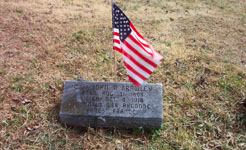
[[43, 43]]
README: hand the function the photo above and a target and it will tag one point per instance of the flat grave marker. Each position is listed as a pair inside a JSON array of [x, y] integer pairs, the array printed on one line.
[[111, 104]]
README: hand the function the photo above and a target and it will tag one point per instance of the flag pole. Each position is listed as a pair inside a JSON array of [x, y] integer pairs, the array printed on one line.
[[114, 69]]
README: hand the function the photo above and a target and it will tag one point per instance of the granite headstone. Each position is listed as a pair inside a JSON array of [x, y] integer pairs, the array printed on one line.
[[111, 104]]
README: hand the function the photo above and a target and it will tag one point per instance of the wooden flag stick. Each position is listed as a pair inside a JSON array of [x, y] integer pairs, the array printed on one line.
[[114, 69], [112, 52]]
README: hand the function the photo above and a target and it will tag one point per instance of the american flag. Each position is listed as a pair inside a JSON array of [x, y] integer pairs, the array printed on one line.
[[139, 57]]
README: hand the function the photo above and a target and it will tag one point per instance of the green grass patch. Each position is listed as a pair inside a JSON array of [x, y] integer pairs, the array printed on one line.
[[27, 45], [1, 99], [18, 81], [124, 7], [169, 44], [136, 7], [20, 11], [5, 64], [3, 72], [189, 86], [241, 117], [81, 36], [232, 83]]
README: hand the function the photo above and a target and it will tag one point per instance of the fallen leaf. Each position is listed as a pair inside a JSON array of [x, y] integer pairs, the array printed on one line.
[[10, 117], [36, 127], [99, 146], [25, 101], [29, 129], [61, 134], [13, 105], [17, 100], [168, 73], [117, 142], [219, 130], [232, 141]]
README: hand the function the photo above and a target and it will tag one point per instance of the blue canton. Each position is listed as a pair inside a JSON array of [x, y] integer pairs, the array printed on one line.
[[121, 22]]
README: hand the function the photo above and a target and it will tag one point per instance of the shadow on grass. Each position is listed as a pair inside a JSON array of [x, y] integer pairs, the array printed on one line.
[[241, 115]]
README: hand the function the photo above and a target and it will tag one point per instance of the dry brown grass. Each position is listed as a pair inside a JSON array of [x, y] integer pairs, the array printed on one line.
[[43, 43]]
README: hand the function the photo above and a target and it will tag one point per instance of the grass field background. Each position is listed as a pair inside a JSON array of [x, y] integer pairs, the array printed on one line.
[[44, 42]]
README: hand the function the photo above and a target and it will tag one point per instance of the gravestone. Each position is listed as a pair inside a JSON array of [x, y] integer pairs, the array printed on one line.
[[111, 104]]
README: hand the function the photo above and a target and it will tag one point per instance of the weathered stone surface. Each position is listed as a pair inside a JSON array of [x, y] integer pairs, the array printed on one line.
[[104, 104]]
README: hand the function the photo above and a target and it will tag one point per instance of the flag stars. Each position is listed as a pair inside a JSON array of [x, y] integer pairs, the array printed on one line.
[[121, 22]]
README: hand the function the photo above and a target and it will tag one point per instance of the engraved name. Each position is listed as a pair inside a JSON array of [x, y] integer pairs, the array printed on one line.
[[114, 99]]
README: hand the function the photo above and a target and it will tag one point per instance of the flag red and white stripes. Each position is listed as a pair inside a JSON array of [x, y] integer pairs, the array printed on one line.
[[139, 57]]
